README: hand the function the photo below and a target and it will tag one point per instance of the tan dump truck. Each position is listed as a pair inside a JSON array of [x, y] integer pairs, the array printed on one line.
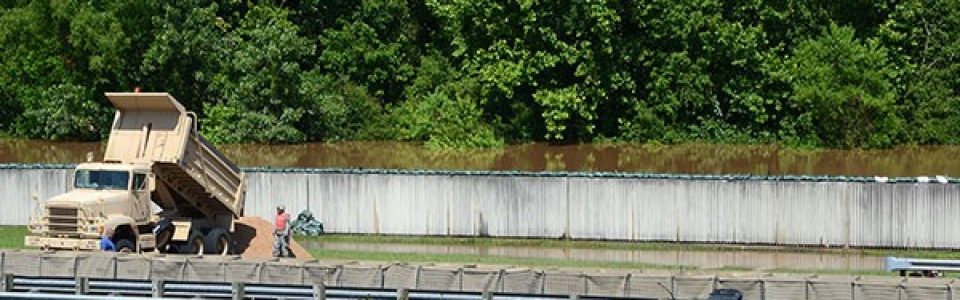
[[154, 155]]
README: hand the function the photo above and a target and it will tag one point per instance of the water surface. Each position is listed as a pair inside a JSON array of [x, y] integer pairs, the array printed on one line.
[[672, 159]]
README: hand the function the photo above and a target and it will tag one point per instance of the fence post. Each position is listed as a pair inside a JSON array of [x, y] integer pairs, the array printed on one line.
[[460, 274], [853, 289], [339, 279], [116, 265], [543, 282], [150, 267], [82, 285], [586, 284], [183, 269], [500, 280], [158, 287], [76, 265], [303, 272], [319, 291], [763, 289], [626, 285], [260, 267], [238, 290], [224, 270], [383, 276], [7, 282], [416, 281], [673, 287]]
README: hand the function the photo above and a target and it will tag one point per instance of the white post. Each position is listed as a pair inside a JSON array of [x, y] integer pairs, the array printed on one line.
[[158, 287], [319, 291], [82, 285], [238, 290]]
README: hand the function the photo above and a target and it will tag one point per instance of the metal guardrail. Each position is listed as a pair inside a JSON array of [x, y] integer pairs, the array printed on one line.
[[82, 288], [902, 264]]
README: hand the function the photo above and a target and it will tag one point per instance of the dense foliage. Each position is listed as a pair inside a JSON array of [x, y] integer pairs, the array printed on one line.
[[480, 73]]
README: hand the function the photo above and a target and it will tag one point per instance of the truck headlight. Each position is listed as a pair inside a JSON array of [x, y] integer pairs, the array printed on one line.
[[95, 228]]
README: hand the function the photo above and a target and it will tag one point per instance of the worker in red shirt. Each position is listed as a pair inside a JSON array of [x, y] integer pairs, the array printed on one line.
[[281, 233]]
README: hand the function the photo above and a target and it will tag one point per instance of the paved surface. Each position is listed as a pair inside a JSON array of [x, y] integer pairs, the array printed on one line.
[[747, 259]]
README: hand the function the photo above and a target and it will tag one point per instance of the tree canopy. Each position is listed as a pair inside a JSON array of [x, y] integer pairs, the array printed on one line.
[[481, 73]]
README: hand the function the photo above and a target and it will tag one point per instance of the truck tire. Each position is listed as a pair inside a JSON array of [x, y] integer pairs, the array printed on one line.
[[125, 245], [194, 243], [164, 234], [219, 241]]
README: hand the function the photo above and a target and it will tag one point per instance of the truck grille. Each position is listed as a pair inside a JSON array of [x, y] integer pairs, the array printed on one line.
[[63, 219]]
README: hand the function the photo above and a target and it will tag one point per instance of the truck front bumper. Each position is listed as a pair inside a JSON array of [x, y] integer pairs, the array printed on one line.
[[62, 243]]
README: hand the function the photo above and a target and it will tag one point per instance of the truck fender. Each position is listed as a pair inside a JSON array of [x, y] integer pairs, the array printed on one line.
[[116, 221], [181, 228], [161, 225], [163, 238]]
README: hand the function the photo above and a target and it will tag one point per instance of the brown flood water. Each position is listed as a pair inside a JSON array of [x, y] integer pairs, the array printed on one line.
[[674, 159]]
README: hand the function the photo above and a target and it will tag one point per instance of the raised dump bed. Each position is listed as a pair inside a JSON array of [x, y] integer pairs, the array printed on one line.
[[155, 128]]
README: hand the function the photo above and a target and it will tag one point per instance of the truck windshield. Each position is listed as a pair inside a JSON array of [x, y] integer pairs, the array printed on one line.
[[100, 179]]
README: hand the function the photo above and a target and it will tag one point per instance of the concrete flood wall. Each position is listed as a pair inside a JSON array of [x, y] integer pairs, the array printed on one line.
[[790, 212], [664, 285], [20, 189]]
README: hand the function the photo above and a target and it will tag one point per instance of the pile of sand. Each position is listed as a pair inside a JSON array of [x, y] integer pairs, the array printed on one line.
[[254, 238]]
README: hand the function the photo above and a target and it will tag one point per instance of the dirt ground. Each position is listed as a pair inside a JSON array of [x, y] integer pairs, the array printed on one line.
[[254, 238]]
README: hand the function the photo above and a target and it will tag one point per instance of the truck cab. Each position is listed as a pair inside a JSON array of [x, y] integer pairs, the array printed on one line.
[[104, 196]]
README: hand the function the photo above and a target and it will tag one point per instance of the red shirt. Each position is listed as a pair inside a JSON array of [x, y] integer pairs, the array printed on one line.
[[281, 221]]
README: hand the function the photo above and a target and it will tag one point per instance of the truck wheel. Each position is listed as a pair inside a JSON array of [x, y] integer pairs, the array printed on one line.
[[219, 241], [163, 238], [194, 243], [125, 245]]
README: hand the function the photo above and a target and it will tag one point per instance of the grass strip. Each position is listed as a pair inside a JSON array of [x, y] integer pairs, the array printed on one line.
[[834, 272], [515, 242], [620, 245], [11, 237]]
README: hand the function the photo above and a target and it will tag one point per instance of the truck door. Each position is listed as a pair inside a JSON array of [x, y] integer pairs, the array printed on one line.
[[140, 210]]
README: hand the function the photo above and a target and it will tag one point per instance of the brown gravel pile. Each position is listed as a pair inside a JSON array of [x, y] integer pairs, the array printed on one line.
[[254, 238]]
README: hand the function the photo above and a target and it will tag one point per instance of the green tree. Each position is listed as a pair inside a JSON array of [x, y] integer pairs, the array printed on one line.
[[338, 109], [258, 82], [187, 52], [842, 96], [66, 112], [441, 110], [926, 37], [373, 47], [67, 47], [543, 68]]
